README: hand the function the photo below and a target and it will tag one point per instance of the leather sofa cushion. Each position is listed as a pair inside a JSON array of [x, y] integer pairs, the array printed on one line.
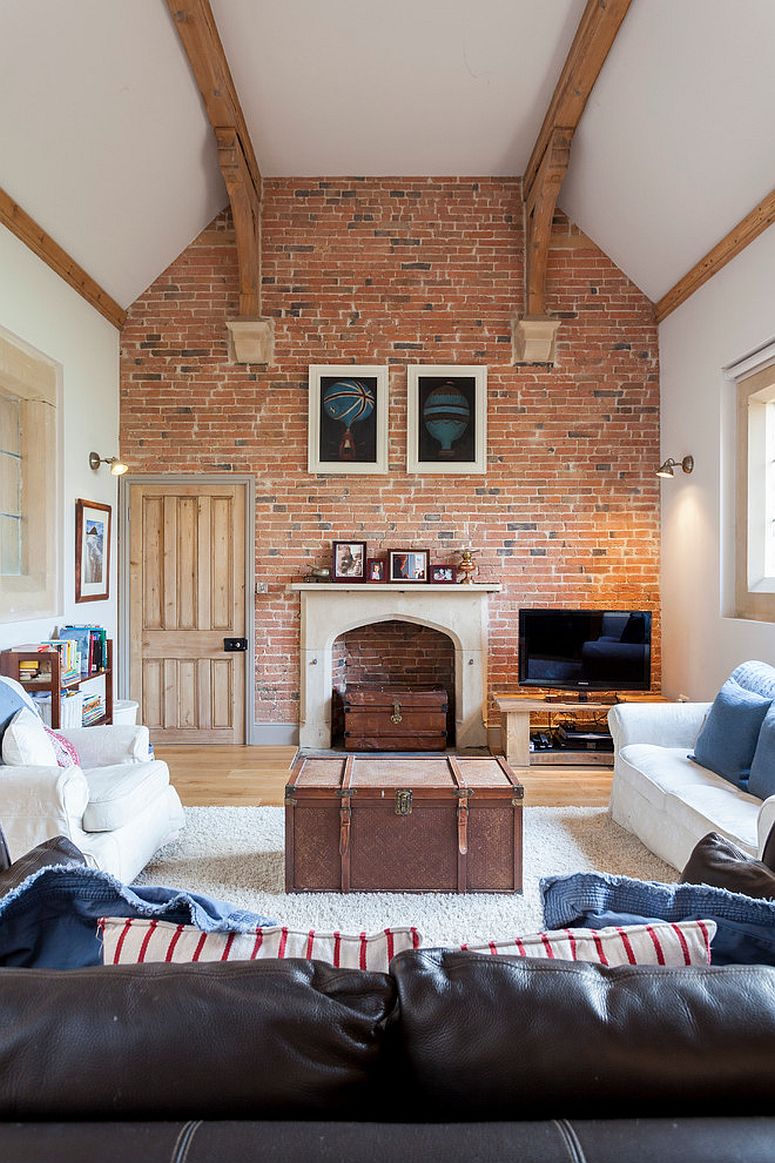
[[502, 1038], [718, 862], [118, 793], [267, 1039]]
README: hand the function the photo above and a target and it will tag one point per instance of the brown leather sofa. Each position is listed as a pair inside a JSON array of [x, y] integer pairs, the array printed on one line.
[[452, 1056]]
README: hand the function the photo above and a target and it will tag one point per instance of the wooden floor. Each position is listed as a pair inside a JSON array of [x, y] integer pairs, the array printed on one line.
[[228, 775]]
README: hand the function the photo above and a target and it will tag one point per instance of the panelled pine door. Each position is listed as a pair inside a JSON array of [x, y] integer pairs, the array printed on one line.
[[186, 594]]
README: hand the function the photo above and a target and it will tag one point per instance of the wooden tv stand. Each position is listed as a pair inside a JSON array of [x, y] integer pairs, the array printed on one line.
[[515, 732]]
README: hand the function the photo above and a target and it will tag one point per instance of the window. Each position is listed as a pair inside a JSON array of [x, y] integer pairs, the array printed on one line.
[[29, 541], [755, 496]]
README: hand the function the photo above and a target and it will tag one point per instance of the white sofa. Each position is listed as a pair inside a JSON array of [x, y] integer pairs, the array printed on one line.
[[666, 799], [118, 807]]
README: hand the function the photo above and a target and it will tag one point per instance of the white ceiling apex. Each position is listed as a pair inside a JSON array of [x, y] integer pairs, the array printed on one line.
[[361, 87], [674, 147], [113, 156]]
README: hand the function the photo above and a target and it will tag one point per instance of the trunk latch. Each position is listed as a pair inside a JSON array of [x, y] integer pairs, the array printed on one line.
[[396, 717], [404, 801]]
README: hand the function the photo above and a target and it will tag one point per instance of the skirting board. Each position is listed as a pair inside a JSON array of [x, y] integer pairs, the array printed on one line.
[[274, 735]]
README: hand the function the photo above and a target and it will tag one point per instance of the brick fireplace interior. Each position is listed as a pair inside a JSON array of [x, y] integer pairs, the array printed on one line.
[[392, 653]]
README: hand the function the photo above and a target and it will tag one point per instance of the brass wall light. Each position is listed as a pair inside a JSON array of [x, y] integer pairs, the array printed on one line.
[[117, 467], [666, 469]]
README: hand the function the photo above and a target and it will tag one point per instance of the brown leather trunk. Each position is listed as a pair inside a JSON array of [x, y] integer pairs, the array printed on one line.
[[395, 719], [403, 824]]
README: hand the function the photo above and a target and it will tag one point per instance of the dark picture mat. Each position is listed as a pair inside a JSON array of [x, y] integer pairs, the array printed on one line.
[[464, 449], [364, 432]]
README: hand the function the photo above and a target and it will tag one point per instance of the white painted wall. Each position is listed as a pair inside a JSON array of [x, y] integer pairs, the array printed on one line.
[[41, 309], [731, 315]]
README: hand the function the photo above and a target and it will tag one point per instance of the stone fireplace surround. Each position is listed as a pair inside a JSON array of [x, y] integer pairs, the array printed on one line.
[[331, 609]]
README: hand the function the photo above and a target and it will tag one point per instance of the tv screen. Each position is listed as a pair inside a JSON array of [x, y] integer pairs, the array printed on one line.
[[585, 649]]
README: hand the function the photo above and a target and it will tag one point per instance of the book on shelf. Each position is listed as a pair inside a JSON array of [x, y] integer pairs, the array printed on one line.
[[92, 646], [70, 661]]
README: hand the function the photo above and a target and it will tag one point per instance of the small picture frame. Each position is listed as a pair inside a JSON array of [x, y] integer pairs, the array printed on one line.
[[446, 418], [349, 561], [443, 575], [92, 551], [375, 569], [408, 565], [347, 428]]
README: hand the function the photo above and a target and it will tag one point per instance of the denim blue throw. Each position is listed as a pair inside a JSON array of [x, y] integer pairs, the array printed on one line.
[[746, 927], [49, 918]]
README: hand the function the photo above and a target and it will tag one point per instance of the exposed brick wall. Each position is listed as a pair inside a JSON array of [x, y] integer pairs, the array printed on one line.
[[397, 271], [402, 654]]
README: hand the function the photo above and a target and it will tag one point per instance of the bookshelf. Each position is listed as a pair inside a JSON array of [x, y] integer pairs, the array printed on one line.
[[51, 681]]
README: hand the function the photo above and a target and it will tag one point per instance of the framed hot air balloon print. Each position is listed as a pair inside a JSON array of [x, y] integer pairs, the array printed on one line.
[[446, 427], [347, 418]]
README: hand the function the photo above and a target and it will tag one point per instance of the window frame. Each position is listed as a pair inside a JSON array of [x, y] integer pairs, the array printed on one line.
[[755, 495]]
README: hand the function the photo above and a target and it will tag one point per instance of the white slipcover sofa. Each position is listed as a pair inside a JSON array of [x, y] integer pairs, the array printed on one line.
[[666, 799], [118, 806]]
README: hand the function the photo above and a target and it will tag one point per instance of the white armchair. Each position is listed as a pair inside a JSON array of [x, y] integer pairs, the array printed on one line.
[[118, 806]]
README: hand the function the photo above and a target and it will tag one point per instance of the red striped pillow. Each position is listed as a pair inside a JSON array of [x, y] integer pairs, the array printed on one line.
[[128, 941], [660, 943]]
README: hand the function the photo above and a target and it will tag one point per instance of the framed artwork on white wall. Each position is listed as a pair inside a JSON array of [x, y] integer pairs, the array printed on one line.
[[446, 418], [348, 418]]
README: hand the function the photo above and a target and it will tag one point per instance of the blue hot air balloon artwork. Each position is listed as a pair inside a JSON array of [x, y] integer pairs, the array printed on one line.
[[446, 414], [348, 405]]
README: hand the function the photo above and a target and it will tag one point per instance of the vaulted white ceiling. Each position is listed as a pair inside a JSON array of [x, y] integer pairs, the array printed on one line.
[[104, 141]]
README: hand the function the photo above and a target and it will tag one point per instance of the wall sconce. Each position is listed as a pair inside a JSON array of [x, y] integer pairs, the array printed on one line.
[[117, 467], [666, 469]]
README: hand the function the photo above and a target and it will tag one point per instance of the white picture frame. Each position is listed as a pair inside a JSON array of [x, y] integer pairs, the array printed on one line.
[[330, 437], [454, 446]]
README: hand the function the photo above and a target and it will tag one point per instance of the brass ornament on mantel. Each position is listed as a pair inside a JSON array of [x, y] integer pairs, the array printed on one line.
[[467, 566]]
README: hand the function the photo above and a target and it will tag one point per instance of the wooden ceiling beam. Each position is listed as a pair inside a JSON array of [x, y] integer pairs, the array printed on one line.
[[539, 213], [597, 30], [251, 337], [534, 334], [27, 231], [199, 36], [759, 219], [245, 210]]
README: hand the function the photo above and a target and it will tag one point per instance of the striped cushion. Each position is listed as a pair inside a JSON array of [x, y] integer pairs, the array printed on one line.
[[660, 943], [128, 941]]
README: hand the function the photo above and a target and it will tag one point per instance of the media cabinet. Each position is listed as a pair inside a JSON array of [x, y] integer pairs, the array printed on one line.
[[515, 732], [515, 712]]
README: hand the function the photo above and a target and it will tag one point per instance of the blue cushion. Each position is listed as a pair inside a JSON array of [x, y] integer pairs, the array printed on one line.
[[746, 927], [10, 704], [727, 740], [762, 781]]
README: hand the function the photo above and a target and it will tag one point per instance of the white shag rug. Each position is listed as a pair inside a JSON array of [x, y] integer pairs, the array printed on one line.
[[236, 854]]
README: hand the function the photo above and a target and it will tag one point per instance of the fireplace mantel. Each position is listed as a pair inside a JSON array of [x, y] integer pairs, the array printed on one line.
[[330, 609], [396, 587]]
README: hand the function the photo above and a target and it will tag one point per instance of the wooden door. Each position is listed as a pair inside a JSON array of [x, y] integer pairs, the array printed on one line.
[[186, 594]]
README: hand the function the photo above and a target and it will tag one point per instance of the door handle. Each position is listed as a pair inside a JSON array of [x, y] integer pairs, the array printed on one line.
[[232, 644]]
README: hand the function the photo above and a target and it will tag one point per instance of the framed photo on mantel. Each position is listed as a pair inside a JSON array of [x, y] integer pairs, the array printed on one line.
[[446, 418], [347, 419]]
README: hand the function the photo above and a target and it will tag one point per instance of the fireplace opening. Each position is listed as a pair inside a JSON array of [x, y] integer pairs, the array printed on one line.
[[392, 653]]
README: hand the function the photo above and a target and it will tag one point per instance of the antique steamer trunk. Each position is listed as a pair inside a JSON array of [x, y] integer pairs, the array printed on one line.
[[403, 824], [395, 719]]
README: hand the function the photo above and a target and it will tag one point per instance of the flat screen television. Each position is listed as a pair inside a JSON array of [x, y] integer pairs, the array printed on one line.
[[585, 649]]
